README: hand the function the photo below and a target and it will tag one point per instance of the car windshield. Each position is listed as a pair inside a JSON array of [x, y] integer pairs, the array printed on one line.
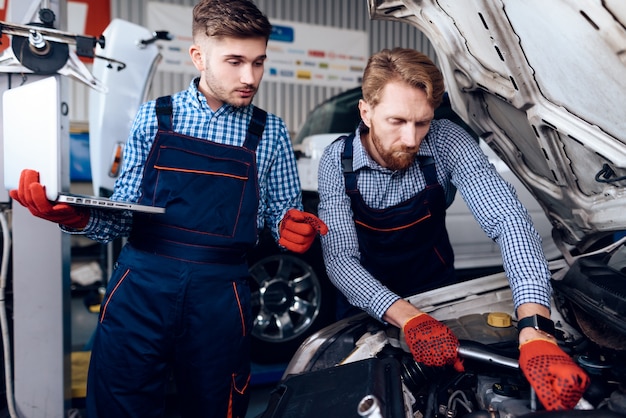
[[340, 114]]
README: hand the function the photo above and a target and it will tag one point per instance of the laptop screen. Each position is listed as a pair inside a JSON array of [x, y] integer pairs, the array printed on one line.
[[32, 133]]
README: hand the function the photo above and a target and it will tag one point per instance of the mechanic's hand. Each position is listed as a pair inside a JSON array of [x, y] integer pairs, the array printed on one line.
[[32, 195], [431, 342], [557, 380], [298, 230]]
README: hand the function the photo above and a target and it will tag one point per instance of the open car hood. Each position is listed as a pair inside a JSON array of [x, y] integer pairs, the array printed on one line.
[[544, 83]]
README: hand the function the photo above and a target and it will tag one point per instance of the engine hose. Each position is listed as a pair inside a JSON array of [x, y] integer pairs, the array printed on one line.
[[431, 400], [485, 354]]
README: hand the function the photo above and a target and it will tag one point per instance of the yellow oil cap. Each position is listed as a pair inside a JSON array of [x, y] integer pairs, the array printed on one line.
[[499, 319]]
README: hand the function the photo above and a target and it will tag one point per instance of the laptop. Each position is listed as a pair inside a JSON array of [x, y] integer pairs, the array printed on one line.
[[31, 119]]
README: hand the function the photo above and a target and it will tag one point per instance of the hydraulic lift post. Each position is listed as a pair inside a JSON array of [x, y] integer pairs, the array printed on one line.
[[41, 286]]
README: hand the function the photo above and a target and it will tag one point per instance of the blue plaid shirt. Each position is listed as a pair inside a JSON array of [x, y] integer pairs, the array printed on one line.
[[461, 165], [279, 184]]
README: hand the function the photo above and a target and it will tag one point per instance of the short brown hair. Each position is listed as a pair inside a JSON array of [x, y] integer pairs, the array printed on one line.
[[229, 18], [402, 64]]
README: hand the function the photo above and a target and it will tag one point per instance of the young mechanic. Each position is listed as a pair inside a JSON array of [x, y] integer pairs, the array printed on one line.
[[383, 193], [178, 301]]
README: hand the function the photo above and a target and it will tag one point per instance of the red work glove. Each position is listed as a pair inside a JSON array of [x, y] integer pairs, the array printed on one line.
[[431, 342], [557, 380], [32, 195], [298, 230]]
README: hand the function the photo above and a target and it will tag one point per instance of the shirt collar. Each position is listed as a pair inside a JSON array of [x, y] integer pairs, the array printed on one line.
[[360, 156]]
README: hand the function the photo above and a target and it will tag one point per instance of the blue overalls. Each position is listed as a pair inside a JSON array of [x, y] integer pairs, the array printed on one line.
[[177, 308], [406, 246]]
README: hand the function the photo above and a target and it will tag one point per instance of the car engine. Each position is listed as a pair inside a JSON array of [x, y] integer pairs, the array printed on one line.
[[361, 367], [378, 377], [365, 369]]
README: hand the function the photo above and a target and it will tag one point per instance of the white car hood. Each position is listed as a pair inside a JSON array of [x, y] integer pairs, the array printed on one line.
[[544, 83]]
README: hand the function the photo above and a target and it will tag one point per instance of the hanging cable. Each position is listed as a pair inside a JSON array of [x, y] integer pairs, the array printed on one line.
[[607, 175], [4, 324]]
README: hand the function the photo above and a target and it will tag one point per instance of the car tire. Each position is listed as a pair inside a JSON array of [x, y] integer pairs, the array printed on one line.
[[291, 298]]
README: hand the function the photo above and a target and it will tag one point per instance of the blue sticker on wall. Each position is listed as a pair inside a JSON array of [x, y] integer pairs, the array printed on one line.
[[282, 33]]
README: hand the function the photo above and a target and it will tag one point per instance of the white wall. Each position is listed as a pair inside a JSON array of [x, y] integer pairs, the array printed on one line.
[[290, 101]]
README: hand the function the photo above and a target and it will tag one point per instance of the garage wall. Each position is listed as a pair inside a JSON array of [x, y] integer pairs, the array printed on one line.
[[290, 101]]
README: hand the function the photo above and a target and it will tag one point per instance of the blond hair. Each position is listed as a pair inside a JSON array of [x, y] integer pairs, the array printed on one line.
[[406, 65]]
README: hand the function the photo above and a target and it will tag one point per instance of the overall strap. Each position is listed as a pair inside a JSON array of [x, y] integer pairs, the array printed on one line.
[[347, 160], [255, 128], [164, 112], [427, 164]]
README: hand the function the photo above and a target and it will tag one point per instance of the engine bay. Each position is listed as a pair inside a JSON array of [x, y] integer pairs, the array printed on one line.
[[387, 382], [361, 367]]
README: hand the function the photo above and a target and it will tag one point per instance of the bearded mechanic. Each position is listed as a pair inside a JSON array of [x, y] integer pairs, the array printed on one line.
[[383, 193], [178, 301]]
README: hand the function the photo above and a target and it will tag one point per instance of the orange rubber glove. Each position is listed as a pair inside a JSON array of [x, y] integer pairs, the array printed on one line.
[[431, 342], [557, 380], [32, 195], [298, 230]]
